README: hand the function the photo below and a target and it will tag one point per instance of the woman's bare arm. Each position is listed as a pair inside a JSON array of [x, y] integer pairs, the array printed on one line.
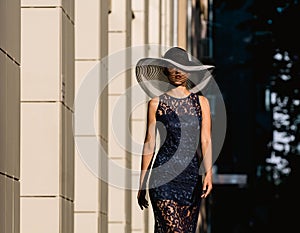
[[206, 145], [149, 142]]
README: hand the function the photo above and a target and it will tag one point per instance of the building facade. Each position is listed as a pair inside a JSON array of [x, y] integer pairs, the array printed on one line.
[[49, 182]]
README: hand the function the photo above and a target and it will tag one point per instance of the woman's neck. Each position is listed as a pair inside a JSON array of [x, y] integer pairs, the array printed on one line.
[[180, 91]]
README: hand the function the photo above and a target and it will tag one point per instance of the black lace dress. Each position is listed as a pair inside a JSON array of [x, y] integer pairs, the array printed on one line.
[[175, 184]]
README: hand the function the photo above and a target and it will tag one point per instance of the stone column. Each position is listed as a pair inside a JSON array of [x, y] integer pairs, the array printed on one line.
[[119, 197], [47, 94], [91, 195], [182, 23], [167, 23], [10, 61], [140, 38]]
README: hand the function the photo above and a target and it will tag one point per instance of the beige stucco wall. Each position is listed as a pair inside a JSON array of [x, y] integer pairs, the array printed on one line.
[[47, 95], [182, 30], [47, 49], [91, 47], [10, 116]]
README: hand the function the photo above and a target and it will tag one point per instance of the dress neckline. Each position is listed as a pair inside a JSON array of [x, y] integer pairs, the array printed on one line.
[[179, 98]]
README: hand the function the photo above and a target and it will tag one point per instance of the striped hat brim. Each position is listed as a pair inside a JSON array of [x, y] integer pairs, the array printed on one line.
[[151, 77]]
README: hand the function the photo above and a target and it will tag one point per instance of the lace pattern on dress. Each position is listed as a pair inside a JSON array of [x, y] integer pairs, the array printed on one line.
[[170, 217], [180, 106]]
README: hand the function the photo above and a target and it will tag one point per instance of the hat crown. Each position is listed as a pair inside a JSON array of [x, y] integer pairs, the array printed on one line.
[[178, 55]]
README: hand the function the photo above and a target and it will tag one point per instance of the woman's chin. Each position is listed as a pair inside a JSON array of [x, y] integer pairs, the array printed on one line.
[[177, 84]]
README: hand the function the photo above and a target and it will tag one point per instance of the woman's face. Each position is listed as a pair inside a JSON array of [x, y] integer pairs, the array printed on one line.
[[177, 77]]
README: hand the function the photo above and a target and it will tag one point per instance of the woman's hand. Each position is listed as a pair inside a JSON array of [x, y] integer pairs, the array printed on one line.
[[207, 185], [143, 203]]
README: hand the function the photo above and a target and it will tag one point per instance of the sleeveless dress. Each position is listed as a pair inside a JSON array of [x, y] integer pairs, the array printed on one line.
[[175, 184]]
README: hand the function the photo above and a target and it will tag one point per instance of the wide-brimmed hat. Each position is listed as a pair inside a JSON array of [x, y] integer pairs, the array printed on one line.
[[152, 77]]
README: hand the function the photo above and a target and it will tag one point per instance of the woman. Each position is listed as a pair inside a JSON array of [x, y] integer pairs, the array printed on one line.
[[182, 119]]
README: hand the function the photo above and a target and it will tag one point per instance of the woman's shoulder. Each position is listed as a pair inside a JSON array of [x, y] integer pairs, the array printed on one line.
[[202, 98], [153, 102], [204, 103], [154, 99]]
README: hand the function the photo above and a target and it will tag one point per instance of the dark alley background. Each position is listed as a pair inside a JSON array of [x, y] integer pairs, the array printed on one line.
[[256, 54]]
